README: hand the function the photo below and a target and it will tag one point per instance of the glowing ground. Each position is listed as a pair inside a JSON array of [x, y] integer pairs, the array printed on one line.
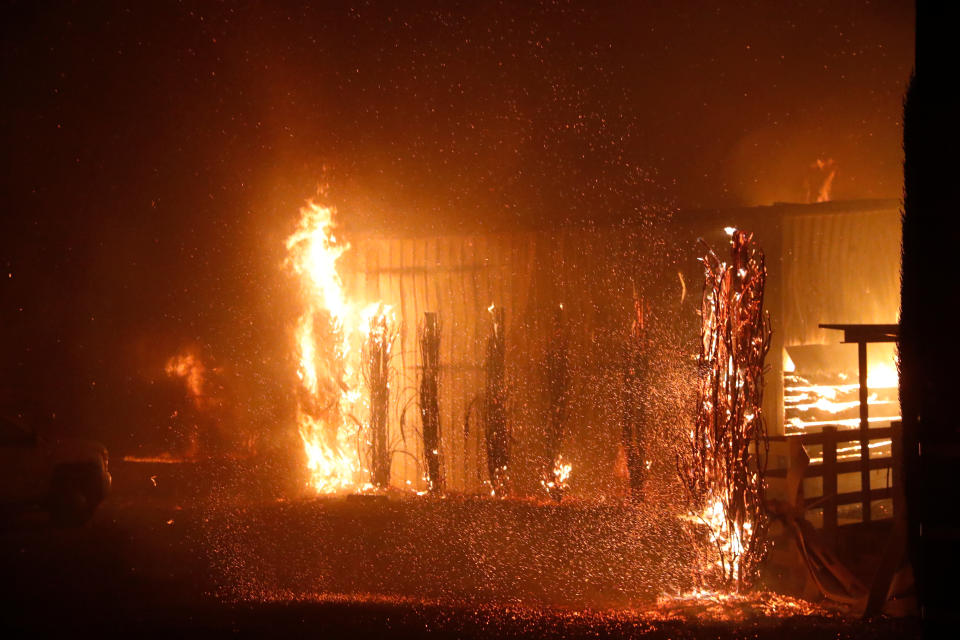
[[152, 567]]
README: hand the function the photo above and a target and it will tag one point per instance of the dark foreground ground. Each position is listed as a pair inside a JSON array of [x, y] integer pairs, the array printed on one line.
[[157, 567]]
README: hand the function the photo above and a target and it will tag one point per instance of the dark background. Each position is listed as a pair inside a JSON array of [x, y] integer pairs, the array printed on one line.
[[157, 154]]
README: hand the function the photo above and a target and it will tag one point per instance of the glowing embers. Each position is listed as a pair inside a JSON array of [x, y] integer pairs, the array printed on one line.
[[329, 338], [823, 390], [714, 605], [557, 481]]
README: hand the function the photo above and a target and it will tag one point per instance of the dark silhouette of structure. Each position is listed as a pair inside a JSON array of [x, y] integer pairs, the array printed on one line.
[[929, 349]]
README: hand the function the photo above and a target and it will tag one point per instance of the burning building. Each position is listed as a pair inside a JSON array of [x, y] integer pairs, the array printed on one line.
[[833, 262]]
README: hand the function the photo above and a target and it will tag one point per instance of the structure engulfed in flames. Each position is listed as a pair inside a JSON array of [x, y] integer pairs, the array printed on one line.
[[329, 338]]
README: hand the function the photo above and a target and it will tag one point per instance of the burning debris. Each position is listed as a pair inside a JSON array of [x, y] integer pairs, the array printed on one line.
[[187, 366], [722, 465], [199, 422]]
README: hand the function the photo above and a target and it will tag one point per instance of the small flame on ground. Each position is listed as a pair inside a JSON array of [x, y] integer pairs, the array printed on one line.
[[560, 474]]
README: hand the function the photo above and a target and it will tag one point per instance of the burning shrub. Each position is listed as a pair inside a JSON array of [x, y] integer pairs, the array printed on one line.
[[494, 406], [722, 466], [381, 334], [429, 339]]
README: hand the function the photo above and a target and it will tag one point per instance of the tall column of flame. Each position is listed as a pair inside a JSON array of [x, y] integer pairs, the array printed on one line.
[[327, 361]]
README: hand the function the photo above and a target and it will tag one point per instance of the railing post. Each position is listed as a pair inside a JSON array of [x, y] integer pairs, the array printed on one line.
[[829, 470], [864, 431]]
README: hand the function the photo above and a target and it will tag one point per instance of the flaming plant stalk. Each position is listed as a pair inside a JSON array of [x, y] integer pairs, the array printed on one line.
[[377, 376], [429, 398], [722, 465], [323, 351], [494, 406]]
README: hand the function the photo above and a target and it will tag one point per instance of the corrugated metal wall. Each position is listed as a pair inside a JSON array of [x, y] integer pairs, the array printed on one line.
[[457, 277], [831, 267], [528, 274], [841, 268]]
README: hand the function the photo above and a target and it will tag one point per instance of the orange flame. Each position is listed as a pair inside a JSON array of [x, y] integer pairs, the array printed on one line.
[[559, 477], [803, 396], [329, 337], [827, 171], [188, 367], [728, 540], [323, 352]]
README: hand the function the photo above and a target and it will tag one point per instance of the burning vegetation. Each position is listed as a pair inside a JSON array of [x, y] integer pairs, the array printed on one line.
[[694, 493], [723, 464], [328, 354]]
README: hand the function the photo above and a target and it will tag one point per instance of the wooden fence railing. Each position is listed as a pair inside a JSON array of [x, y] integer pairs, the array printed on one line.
[[829, 469]]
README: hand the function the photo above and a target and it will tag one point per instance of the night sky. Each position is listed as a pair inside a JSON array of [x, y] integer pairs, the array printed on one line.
[[157, 153]]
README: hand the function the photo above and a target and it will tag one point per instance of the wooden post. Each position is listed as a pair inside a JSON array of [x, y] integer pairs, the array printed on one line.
[[830, 486], [895, 550], [896, 463], [864, 431]]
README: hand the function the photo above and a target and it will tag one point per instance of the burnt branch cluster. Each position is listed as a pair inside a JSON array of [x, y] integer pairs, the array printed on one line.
[[722, 464], [376, 374], [494, 409], [429, 399]]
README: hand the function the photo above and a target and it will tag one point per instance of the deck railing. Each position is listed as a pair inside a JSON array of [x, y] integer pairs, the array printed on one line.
[[829, 469]]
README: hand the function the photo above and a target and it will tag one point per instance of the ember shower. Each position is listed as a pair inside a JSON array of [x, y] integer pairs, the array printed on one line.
[[471, 367]]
